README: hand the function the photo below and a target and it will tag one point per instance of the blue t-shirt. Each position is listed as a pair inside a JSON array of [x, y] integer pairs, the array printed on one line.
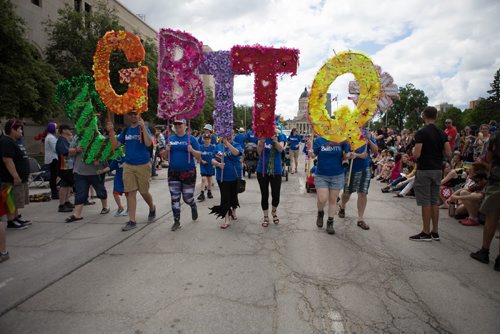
[[240, 138], [136, 151], [213, 141], [206, 155], [294, 141], [329, 156], [251, 138], [359, 164], [314, 170], [266, 154], [179, 153], [232, 163], [117, 165]]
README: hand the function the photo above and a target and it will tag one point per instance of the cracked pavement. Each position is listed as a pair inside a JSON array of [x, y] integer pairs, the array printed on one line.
[[89, 277]]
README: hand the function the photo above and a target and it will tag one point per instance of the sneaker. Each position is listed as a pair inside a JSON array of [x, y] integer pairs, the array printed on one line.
[[130, 225], [69, 205], [152, 214], [421, 237], [341, 213], [209, 194], [482, 255], [4, 256], [201, 198], [319, 220], [497, 264], [13, 224], [54, 196], [329, 227], [23, 222], [176, 226], [64, 208], [119, 212], [435, 236], [194, 212], [125, 213], [469, 222]]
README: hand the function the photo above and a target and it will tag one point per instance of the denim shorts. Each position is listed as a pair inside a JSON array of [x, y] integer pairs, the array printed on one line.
[[82, 186], [335, 182]]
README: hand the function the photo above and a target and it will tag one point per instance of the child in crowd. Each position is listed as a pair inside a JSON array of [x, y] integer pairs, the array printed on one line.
[[206, 168], [118, 188]]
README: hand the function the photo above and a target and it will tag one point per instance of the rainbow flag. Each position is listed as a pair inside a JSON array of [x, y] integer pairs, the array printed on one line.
[[7, 205]]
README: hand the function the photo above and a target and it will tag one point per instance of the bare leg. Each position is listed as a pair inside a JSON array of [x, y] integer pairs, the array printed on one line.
[[435, 218], [77, 211], [64, 193], [132, 204], [489, 229], [332, 202], [118, 201], [426, 218], [3, 241], [362, 201], [322, 198], [149, 200], [472, 207], [344, 199]]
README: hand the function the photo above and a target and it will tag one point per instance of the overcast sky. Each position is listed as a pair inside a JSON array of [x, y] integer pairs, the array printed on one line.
[[448, 48]]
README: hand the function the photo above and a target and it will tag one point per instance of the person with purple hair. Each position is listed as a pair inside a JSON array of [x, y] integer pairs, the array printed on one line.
[[51, 157]]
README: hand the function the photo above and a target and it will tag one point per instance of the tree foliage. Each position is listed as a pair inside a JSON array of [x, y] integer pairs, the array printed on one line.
[[495, 90], [206, 114], [406, 111], [239, 114], [27, 82], [73, 37]]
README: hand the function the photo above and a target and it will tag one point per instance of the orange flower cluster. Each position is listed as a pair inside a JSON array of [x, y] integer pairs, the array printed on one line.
[[136, 97]]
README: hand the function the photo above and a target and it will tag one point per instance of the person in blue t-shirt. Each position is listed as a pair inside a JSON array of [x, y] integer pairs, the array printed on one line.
[[137, 140], [269, 171], [206, 168], [207, 130], [227, 163], [118, 188], [294, 143], [241, 137], [251, 138], [360, 178], [183, 148], [329, 177]]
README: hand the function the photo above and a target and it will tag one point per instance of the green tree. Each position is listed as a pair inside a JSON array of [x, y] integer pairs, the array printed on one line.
[[27, 83], [495, 90], [484, 111], [242, 116], [406, 111], [206, 114], [73, 38], [455, 114]]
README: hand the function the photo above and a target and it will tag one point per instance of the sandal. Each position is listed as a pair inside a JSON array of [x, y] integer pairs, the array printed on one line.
[[363, 225], [233, 215], [224, 226], [265, 223], [73, 218], [276, 220]]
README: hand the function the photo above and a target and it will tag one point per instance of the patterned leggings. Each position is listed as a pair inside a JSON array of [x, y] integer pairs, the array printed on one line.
[[181, 183]]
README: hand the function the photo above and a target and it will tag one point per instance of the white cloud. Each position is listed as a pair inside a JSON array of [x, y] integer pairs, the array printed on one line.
[[447, 48]]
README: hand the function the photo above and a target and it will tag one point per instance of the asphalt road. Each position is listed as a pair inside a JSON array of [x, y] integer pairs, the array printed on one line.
[[89, 277]]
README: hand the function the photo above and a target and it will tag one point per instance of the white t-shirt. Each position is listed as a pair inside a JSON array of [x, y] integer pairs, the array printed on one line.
[[50, 148]]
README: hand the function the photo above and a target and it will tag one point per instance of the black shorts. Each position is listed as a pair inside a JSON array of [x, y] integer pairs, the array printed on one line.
[[67, 179]]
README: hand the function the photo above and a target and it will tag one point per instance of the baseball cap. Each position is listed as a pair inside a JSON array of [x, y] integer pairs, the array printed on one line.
[[179, 121], [208, 127]]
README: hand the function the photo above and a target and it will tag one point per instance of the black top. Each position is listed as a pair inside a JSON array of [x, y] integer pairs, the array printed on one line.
[[10, 149], [432, 140], [494, 147]]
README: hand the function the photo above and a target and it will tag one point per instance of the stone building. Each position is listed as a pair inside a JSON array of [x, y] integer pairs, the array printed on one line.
[[300, 122]]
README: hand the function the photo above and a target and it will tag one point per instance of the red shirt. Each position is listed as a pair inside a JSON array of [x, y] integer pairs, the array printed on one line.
[[451, 132]]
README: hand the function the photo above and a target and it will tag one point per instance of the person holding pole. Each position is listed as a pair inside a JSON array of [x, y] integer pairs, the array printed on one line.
[[358, 178], [329, 178]]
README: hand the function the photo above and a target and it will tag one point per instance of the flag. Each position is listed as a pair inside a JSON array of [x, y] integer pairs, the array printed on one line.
[[7, 205]]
